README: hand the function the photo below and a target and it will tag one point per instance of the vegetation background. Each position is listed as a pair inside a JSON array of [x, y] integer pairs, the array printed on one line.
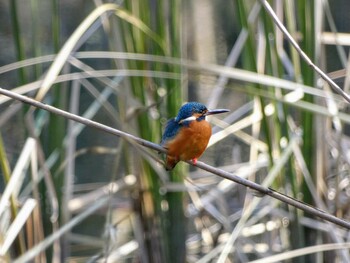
[[75, 194]]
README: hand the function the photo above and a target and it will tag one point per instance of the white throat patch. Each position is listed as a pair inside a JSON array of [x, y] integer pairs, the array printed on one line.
[[192, 118]]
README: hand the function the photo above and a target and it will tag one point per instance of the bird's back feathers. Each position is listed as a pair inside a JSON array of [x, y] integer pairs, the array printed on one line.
[[171, 129]]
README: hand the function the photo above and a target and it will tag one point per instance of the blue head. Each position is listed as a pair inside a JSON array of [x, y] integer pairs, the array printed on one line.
[[195, 111], [191, 111]]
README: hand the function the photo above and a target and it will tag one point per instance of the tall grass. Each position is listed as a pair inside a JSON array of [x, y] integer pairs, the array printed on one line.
[[86, 196], [164, 227]]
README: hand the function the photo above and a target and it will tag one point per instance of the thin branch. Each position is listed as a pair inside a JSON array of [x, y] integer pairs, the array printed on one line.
[[264, 190], [81, 120], [302, 53]]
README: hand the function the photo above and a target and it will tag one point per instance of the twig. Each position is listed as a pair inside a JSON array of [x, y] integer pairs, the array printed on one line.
[[81, 120], [264, 190], [302, 53]]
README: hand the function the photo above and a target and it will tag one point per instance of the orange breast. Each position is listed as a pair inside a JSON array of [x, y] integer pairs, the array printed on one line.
[[191, 141]]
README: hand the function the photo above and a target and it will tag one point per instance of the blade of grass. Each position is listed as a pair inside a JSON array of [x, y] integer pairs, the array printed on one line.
[[302, 53], [17, 225], [16, 180], [69, 46], [17, 38], [30, 254], [301, 252]]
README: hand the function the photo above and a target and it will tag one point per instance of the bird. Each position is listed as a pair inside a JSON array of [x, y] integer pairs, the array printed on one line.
[[186, 136]]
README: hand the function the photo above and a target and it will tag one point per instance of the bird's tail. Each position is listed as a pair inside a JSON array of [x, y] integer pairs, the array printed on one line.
[[170, 162]]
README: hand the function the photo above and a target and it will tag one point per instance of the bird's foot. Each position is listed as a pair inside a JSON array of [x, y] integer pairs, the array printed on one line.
[[194, 161]]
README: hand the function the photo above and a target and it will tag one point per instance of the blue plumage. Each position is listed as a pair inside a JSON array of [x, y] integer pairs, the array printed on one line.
[[189, 109], [171, 129], [173, 125], [187, 135]]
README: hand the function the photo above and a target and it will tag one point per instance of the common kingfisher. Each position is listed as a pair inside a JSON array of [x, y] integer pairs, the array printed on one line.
[[187, 135]]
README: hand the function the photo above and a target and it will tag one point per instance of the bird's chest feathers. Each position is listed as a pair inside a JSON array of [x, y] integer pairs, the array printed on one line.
[[197, 132], [192, 140]]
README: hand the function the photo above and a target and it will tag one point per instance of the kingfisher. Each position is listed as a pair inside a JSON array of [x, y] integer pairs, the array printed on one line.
[[187, 135]]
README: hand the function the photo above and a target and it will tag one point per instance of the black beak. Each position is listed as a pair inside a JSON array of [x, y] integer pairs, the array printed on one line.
[[216, 111]]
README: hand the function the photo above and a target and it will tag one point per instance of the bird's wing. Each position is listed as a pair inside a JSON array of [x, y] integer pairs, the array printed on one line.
[[171, 129]]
